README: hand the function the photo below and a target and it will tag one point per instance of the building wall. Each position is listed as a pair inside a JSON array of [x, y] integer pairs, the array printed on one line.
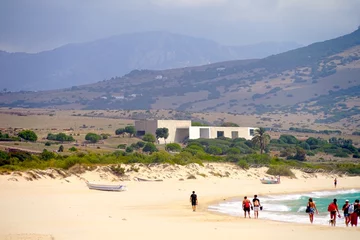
[[149, 126], [178, 130], [242, 132]]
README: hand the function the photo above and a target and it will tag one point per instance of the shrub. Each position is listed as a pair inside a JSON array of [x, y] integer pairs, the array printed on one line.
[[117, 170], [341, 154], [47, 155], [150, 147], [214, 150], [121, 146], [28, 135], [148, 137], [48, 144], [243, 164], [233, 151], [140, 144], [173, 147], [73, 149], [129, 150], [61, 137], [280, 170]]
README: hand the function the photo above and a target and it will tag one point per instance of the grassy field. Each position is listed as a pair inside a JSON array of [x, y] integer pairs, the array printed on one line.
[[80, 122]]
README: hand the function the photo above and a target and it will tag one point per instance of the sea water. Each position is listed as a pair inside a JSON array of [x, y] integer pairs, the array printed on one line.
[[291, 207]]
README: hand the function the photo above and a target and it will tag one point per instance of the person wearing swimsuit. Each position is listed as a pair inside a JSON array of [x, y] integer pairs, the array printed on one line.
[[333, 209], [313, 209], [256, 203], [246, 204]]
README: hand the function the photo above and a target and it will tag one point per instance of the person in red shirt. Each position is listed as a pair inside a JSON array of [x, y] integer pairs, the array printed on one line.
[[333, 209], [246, 204]]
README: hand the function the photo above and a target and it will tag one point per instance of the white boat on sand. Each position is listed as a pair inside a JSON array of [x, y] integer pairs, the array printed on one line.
[[270, 180], [106, 187]]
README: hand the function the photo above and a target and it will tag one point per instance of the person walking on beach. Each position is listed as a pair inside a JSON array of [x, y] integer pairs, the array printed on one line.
[[345, 209], [256, 203], [246, 204], [194, 201], [333, 209], [356, 213], [312, 209], [335, 182]]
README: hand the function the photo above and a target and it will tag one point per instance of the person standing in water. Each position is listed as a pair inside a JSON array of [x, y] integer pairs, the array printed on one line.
[[312, 209], [335, 182], [354, 216], [256, 203], [345, 209], [194, 201], [246, 204], [333, 209]]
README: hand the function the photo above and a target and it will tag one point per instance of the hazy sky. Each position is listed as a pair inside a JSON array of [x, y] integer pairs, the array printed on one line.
[[35, 25]]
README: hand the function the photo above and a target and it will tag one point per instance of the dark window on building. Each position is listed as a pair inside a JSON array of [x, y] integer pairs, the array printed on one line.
[[220, 134], [252, 132], [234, 134], [140, 133]]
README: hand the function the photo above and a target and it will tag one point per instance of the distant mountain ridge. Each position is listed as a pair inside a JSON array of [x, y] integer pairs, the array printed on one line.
[[319, 80], [84, 63]]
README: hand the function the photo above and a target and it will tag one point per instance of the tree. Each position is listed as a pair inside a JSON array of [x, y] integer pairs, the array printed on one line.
[[120, 131], [28, 135], [300, 154], [148, 137], [162, 133], [130, 130], [92, 137], [261, 138], [150, 147]]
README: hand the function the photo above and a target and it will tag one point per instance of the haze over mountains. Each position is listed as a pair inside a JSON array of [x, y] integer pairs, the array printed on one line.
[[84, 63], [322, 78]]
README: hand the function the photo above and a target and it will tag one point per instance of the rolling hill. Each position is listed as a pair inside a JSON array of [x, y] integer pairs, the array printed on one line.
[[84, 63], [322, 78]]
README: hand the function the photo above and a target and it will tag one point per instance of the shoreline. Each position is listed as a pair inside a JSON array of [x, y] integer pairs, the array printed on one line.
[[66, 209], [239, 199]]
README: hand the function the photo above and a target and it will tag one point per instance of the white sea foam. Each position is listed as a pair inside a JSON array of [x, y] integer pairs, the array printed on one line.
[[279, 207]]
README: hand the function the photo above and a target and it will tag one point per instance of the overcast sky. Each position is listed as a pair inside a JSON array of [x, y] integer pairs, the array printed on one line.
[[35, 25]]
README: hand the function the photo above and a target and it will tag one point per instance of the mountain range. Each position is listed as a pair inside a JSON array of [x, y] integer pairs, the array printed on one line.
[[84, 63], [321, 79]]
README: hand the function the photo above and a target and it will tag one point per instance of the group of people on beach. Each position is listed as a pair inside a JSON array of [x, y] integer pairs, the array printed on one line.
[[255, 205], [351, 211]]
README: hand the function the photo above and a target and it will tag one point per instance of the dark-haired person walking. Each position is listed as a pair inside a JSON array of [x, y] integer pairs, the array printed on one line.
[[312, 209], [194, 201], [257, 205], [333, 209]]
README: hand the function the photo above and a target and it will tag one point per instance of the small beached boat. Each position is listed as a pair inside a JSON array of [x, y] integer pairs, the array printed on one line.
[[270, 180], [106, 187]]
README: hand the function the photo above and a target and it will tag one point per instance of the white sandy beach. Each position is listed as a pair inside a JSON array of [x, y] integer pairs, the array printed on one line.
[[64, 208]]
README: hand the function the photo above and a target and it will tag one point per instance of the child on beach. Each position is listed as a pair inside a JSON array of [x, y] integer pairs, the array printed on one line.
[[312, 208]]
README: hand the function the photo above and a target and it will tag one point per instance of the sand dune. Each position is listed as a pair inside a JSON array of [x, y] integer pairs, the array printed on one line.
[[57, 205]]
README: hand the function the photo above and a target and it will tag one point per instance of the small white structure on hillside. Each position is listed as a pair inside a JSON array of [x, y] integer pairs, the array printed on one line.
[[180, 130]]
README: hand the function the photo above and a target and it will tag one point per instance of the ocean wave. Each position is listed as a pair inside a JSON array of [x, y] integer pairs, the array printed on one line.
[[334, 193]]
